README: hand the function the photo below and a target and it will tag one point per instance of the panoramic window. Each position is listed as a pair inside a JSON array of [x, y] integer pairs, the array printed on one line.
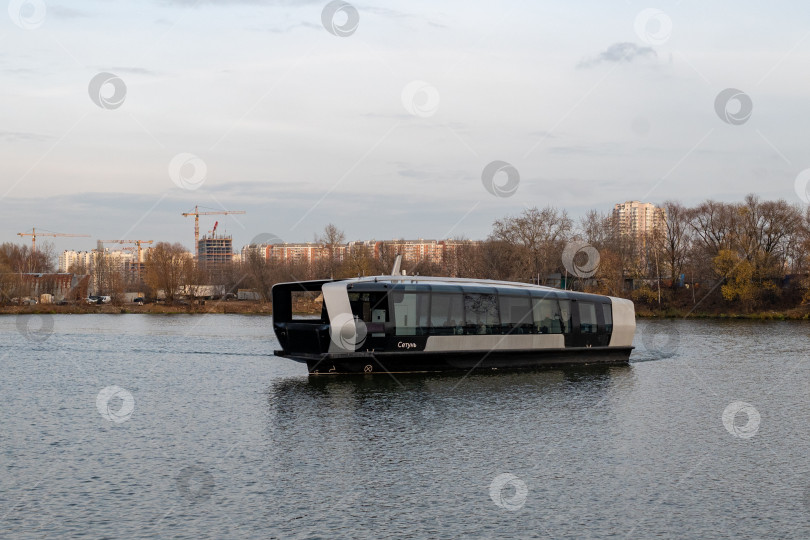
[[608, 311], [565, 316], [411, 312], [547, 318], [587, 318], [447, 313], [516, 313], [481, 313], [371, 308]]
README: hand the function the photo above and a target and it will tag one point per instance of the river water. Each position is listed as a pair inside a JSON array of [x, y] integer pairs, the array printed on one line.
[[144, 426]]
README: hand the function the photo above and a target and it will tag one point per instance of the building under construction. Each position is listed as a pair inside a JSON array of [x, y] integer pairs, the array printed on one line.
[[215, 249]]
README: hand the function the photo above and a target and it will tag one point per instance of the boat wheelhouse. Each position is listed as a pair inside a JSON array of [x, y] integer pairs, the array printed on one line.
[[401, 324]]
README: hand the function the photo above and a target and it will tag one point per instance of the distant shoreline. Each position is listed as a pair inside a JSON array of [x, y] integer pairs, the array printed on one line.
[[231, 307], [261, 308], [796, 314]]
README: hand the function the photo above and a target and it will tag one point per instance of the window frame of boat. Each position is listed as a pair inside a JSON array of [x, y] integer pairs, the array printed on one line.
[[588, 317], [607, 316], [550, 300], [430, 322], [479, 316], [420, 304], [453, 321], [508, 302], [364, 302]]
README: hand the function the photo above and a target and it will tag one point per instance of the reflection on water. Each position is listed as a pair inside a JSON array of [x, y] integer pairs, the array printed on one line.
[[223, 440], [413, 402]]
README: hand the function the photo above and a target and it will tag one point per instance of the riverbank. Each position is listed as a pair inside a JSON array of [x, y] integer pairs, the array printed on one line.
[[798, 313], [266, 308], [231, 307]]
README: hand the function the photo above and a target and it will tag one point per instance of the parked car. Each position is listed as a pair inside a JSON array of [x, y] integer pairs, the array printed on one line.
[[138, 300], [105, 299], [93, 299]]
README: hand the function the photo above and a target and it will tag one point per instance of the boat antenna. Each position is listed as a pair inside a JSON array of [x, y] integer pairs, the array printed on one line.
[[397, 265]]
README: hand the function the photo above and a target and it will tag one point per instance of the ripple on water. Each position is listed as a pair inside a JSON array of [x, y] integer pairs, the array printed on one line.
[[221, 439]]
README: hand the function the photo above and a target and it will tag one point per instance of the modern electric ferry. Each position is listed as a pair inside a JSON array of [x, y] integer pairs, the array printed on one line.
[[400, 324]]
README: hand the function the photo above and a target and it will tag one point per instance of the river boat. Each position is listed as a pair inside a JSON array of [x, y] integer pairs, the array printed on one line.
[[405, 324]]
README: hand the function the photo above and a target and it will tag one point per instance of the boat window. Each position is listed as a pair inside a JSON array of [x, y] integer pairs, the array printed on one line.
[[516, 313], [481, 313], [608, 311], [411, 311], [587, 318], [565, 315], [447, 313], [371, 308], [547, 318], [306, 305]]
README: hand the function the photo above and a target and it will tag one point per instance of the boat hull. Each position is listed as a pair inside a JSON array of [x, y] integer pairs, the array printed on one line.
[[458, 361]]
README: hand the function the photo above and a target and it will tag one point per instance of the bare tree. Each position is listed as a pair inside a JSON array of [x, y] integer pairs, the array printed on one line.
[[537, 236], [164, 268], [332, 239], [678, 239], [21, 259], [259, 273]]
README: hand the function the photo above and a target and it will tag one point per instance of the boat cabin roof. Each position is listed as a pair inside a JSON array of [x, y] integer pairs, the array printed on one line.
[[442, 284]]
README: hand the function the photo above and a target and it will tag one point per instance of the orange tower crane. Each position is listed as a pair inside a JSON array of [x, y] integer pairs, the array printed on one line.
[[33, 234], [196, 213], [137, 246]]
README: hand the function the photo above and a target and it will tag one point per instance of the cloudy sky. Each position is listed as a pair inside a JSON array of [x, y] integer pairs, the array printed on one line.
[[117, 116]]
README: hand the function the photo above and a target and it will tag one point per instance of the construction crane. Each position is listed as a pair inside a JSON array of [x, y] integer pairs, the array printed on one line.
[[33, 234], [137, 247], [196, 213]]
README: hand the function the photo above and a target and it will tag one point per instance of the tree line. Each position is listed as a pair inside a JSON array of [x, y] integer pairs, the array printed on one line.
[[746, 256]]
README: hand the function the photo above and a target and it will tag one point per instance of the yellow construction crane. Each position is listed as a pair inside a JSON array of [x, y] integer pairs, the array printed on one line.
[[33, 234], [137, 246], [196, 213]]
